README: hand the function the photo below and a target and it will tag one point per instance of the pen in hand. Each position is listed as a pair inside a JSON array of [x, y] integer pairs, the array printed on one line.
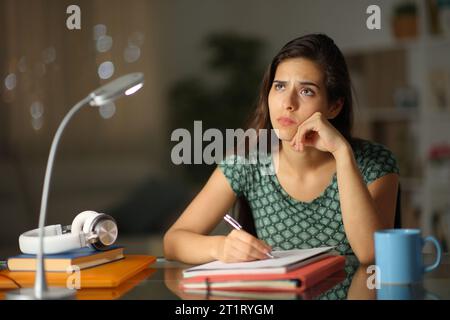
[[237, 226]]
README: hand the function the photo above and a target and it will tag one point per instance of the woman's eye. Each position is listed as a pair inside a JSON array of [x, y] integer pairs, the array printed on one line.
[[307, 92], [278, 86]]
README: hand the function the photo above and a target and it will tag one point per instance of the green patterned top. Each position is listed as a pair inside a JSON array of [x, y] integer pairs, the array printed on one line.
[[286, 223]]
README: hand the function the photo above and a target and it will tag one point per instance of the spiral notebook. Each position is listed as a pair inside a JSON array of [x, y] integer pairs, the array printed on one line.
[[283, 262], [297, 280]]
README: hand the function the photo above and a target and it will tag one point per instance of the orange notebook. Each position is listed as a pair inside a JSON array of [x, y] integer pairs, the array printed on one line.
[[114, 293], [296, 280], [101, 293], [6, 282], [109, 275]]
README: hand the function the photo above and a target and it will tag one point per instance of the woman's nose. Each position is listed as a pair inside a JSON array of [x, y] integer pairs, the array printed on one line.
[[290, 101]]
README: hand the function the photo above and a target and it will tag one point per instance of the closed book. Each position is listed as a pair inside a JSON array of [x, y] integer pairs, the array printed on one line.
[[196, 294], [309, 294], [108, 275], [297, 280], [62, 262]]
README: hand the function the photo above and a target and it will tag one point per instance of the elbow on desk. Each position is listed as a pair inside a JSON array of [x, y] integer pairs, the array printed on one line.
[[364, 251], [365, 258], [168, 253]]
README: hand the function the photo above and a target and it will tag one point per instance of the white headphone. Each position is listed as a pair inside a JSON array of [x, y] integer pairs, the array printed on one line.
[[89, 228]]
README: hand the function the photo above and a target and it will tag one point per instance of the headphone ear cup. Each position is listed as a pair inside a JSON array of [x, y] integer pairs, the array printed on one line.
[[105, 227], [88, 226], [79, 221]]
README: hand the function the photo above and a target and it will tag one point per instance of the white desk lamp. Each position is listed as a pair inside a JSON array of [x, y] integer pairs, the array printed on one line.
[[125, 85]]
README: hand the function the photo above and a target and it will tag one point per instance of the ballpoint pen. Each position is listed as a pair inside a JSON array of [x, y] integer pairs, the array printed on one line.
[[237, 226]]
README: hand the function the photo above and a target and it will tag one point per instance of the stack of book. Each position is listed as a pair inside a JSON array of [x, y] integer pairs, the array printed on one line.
[[290, 274], [96, 269]]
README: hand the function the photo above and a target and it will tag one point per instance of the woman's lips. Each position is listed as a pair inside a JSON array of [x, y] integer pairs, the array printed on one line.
[[286, 121]]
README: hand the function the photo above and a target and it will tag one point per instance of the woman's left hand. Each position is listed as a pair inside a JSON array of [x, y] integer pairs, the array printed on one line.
[[319, 133]]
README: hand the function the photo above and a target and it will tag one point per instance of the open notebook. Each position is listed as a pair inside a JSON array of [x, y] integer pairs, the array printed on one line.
[[283, 262]]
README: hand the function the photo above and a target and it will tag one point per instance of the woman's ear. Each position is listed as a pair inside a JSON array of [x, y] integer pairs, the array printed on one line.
[[335, 108]]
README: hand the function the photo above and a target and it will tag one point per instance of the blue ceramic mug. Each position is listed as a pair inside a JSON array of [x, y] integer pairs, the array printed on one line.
[[398, 255]]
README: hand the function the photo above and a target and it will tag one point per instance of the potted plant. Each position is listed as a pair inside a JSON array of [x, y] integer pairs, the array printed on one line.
[[405, 20]]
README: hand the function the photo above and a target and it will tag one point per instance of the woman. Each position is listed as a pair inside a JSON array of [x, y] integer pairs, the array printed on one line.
[[329, 189]]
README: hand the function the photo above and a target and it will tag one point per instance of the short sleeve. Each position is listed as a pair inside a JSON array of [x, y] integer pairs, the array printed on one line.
[[235, 171], [378, 161]]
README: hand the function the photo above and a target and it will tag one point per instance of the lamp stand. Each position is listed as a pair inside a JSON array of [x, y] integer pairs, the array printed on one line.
[[40, 290], [49, 294], [125, 85]]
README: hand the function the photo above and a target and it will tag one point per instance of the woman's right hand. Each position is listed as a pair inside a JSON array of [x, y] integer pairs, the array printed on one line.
[[239, 246]]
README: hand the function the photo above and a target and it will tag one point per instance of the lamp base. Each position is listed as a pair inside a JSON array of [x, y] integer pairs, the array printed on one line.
[[49, 294]]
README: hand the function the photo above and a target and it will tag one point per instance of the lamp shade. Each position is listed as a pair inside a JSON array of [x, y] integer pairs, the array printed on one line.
[[125, 85]]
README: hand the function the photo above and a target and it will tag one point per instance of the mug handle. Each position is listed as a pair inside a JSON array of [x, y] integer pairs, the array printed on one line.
[[438, 252]]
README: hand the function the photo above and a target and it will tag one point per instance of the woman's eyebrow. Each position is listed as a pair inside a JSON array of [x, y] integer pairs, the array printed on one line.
[[302, 82], [310, 83]]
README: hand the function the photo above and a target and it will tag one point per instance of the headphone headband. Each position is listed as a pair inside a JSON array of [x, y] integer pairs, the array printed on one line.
[[54, 240]]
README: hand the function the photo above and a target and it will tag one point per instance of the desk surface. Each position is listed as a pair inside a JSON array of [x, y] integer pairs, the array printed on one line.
[[163, 284]]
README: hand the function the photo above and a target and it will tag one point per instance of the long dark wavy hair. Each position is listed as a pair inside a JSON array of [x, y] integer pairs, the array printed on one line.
[[321, 50]]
